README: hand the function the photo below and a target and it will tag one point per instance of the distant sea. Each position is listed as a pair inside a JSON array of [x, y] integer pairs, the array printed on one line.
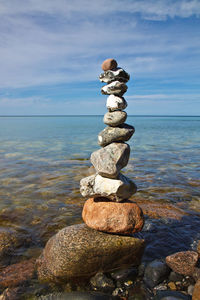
[[42, 160]]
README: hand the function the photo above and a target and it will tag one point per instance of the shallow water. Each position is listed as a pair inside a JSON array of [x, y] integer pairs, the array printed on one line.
[[43, 159]]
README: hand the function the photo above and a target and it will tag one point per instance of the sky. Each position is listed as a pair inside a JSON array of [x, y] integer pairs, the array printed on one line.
[[51, 54]]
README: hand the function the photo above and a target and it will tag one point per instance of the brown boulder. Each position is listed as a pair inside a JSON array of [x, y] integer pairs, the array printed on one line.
[[182, 262], [198, 248], [80, 252], [196, 291], [104, 215], [109, 64], [17, 274]]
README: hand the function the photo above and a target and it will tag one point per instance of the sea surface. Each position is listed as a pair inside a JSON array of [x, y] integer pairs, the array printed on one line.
[[42, 160]]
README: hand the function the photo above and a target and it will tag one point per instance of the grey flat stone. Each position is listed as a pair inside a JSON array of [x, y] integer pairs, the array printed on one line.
[[115, 88], [108, 161], [80, 252], [113, 189], [112, 75], [122, 133], [115, 118]]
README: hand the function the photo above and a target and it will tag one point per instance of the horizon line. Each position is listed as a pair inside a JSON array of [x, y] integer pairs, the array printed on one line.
[[95, 115]]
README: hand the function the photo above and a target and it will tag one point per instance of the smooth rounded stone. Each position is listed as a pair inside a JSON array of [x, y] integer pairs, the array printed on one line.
[[155, 272], [175, 277], [108, 161], [109, 64], [196, 291], [115, 118], [103, 215], [114, 189], [119, 74], [114, 103], [182, 262], [76, 296], [198, 248], [101, 282], [196, 274], [78, 251], [122, 133], [114, 88], [171, 295]]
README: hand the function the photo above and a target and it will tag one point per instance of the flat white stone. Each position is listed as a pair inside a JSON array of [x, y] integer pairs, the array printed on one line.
[[114, 88], [116, 103]]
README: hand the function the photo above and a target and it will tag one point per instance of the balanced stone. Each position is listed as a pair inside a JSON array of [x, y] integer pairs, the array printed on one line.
[[115, 118], [119, 74], [122, 218], [77, 251], [108, 161], [115, 88], [114, 103], [114, 189], [109, 64], [122, 133]]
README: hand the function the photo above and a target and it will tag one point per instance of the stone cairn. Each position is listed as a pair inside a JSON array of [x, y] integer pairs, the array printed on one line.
[[108, 208]]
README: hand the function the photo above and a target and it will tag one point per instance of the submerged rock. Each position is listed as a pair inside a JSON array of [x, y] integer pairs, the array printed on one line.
[[112, 217], [171, 295], [115, 118], [115, 103], [76, 296], [114, 189], [122, 133], [182, 262], [114, 88], [119, 74], [108, 161], [101, 282], [77, 251], [155, 272], [109, 64]]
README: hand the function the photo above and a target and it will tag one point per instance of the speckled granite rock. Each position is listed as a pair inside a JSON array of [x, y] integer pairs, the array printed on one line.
[[114, 103], [196, 291], [118, 74], [115, 118], [109, 64], [122, 218], [114, 88], [182, 262], [115, 189], [108, 161], [122, 133], [78, 251]]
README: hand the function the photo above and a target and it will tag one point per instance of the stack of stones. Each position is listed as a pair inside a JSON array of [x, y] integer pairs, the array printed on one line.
[[108, 208]]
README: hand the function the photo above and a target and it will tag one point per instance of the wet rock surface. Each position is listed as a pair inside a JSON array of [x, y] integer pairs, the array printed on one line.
[[122, 133], [115, 118], [114, 189], [122, 218], [78, 251], [196, 291], [183, 262], [108, 161], [155, 273]]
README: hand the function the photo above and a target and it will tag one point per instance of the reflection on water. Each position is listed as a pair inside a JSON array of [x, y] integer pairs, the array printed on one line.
[[42, 160]]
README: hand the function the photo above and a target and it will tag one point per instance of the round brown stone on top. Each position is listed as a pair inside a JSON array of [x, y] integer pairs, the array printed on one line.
[[182, 262], [109, 64], [112, 217]]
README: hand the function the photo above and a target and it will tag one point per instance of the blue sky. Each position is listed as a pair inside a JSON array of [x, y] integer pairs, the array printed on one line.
[[51, 54]]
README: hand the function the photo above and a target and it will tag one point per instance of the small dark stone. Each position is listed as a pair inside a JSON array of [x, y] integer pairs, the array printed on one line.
[[171, 295], [155, 273], [173, 276], [125, 274], [101, 282]]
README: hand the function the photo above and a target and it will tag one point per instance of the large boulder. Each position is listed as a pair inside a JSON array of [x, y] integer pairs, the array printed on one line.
[[115, 189], [196, 291], [77, 251], [108, 161], [122, 133], [107, 216]]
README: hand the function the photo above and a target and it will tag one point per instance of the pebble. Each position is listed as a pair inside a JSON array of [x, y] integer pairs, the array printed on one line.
[[172, 286], [114, 88], [109, 64], [115, 103], [114, 189], [119, 75], [108, 161], [109, 135], [182, 262], [101, 282], [115, 118]]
